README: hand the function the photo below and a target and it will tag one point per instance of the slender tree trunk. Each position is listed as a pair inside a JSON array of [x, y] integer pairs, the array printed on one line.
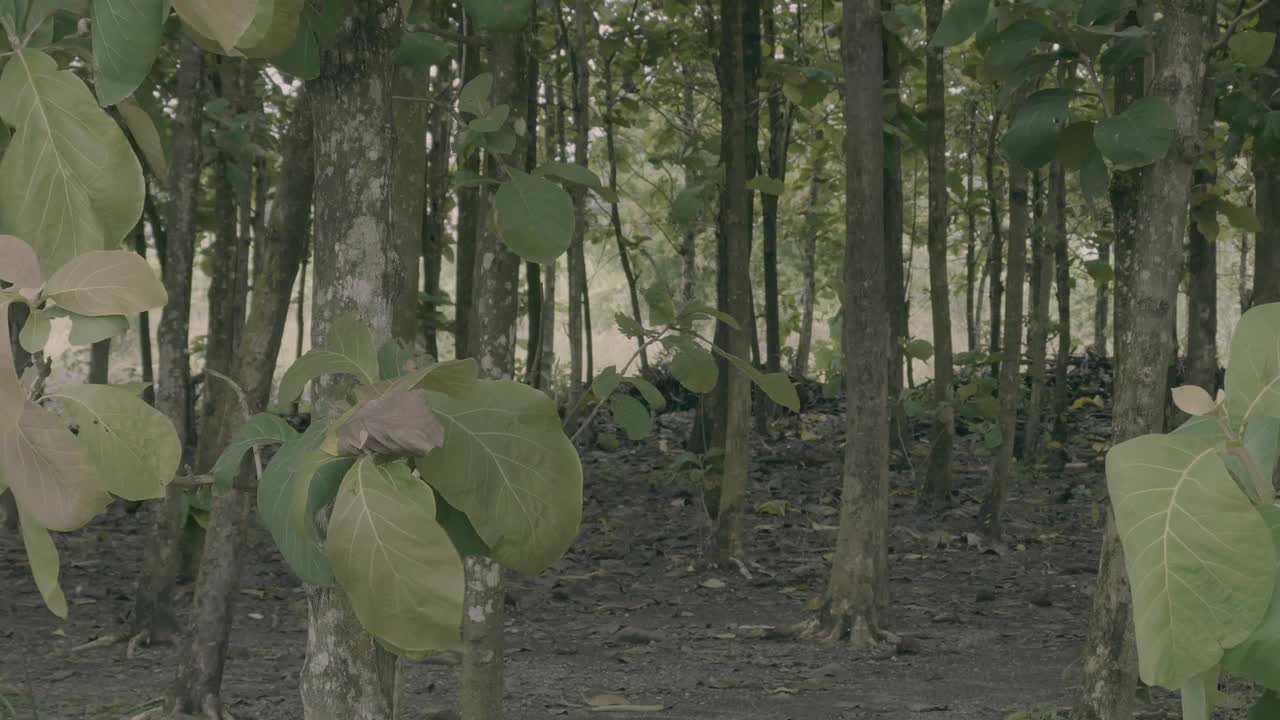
[[857, 593], [536, 296], [144, 326], [1266, 176], [809, 258], [937, 483], [991, 517], [412, 119], [1202, 296], [199, 677], [1101, 298], [100, 362], [995, 254], [153, 613], [1146, 282], [689, 241], [469, 217], [579, 69], [493, 328], [615, 218], [895, 282], [970, 234], [1062, 283], [779, 141], [1043, 243], [1242, 273], [346, 673]]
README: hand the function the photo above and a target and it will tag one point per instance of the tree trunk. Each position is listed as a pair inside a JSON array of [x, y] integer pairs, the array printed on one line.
[[346, 673], [689, 241], [937, 483], [1062, 283], [857, 593], [580, 71], [1042, 253], [16, 316], [153, 613], [536, 297], [895, 281], [492, 341], [144, 326], [1266, 176], [779, 140], [1146, 283], [100, 362], [412, 120], [199, 678], [809, 267], [991, 516], [1101, 298], [615, 218], [739, 49], [970, 234], [469, 217], [1202, 299], [995, 252]]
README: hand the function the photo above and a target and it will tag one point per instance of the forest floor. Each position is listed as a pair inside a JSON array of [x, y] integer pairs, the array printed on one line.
[[632, 614]]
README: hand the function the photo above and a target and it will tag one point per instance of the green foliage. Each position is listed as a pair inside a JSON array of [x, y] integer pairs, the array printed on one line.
[[1252, 48], [1138, 136], [962, 19], [1032, 140], [43, 556], [348, 349], [535, 217], [261, 429], [127, 35], [499, 15]]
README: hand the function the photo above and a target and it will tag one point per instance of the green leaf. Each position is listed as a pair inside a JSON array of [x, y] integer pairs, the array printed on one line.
[[1074, 144], [35, 332], [474, 96], [570, 172], [1123, 52], [1013, 44], [106, 282], [1241, 217], [421, 50], [632, 416], [500, 15], [710, 312], [1267, 707], [132, 445], [687, 208], [1253, 375], [42, 555], [508, 465], [919, 349], [767, 185], [1095, 12], [396, 564], [126, 39], [605, 383], [317, 30], [628, 326], [535, 217], [223, 20], [491, 121], [261, 429], [1252, 48], [651, 394], [393, 359], [274, 28], [1101, 272], [662, 309], [461, 532], [348, 350], [962, 19], [49, 472], [1199, 556], [143, 130], [1138, 136], [87, 330], [1032, 138], [19, 265], [695, 368], [1258, 657], [1095, 180], [779, 388], [69, 182], [299, 481]]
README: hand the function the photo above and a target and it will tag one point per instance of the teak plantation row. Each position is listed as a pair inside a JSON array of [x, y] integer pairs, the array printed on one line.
[[1056, 159]]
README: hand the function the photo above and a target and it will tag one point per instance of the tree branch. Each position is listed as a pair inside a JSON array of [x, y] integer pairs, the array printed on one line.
[[1235, 25]]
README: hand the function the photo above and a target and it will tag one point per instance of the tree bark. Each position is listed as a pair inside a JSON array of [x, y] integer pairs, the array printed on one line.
[[1062, 283], [895, 280], [346, 673], [937, 483], [995, 252], [857, 593], [1266, 176], [412, 120], [1101, 300], [100, 362], [779, 140], [199, 677], [469, 217], [809, 268], [144, 326], [1043, 243], [1146, 283], [970, 233], [689, 241], [153, 613], [579, 70]]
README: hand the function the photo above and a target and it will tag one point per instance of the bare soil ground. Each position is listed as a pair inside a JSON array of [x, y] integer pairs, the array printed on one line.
[[633, 614]]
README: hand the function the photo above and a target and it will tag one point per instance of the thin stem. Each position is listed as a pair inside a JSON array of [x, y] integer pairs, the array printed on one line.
[[244, 406], [586, 422], [1235, 25]]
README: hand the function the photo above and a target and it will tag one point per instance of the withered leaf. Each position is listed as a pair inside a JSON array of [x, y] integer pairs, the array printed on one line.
[[398, 423]]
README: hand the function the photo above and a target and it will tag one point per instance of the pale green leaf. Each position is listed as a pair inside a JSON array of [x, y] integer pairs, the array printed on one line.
[[605, 383], [274, 28], [35, 332], [223, 20], [348, 350], [507, 464], [1199, 556], [1013, 44], [1252, 48], [569, 172], [535, 217], [767, 185], [1138, 136], [396, 564], [452, 377], [42, 555], [143, 129], [961, 20], [133, 445], [127, 35], [49, 471], [474, 96], [649, 392], [1253, 367], [261, 429], [299, 481], [106, 282], [87, 330], [632, 416], [695, 368], [19, 265], [710, 312], [69, 182], [491, 121], [1258, 657]]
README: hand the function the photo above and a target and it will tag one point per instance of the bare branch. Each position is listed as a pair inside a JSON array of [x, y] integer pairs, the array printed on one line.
[[1235, 25]]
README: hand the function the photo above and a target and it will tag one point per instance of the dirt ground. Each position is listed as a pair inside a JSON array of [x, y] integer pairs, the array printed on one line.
[[632, 613]]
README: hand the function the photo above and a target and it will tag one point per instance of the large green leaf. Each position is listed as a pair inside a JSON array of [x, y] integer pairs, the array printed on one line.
[[535, 217], [261, 429], [223, 20], [35, 332], [133, 445], [145, 134], [961, 20], [570, 172], [295, 486], [695, 368], [632, 416], [348, 350], [69, 182], [274, 28], [499, 15], [1253, 367], [19, 265], [1258, 657], [1013, 44], [1252, 48], [317, 31], [106, 282], [127, 35], [1138, 136], [395, 562], [49, 472], [422, 50], [507, 464], [1032, 138], [1199, 556], [42, 555], [87, 330]]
